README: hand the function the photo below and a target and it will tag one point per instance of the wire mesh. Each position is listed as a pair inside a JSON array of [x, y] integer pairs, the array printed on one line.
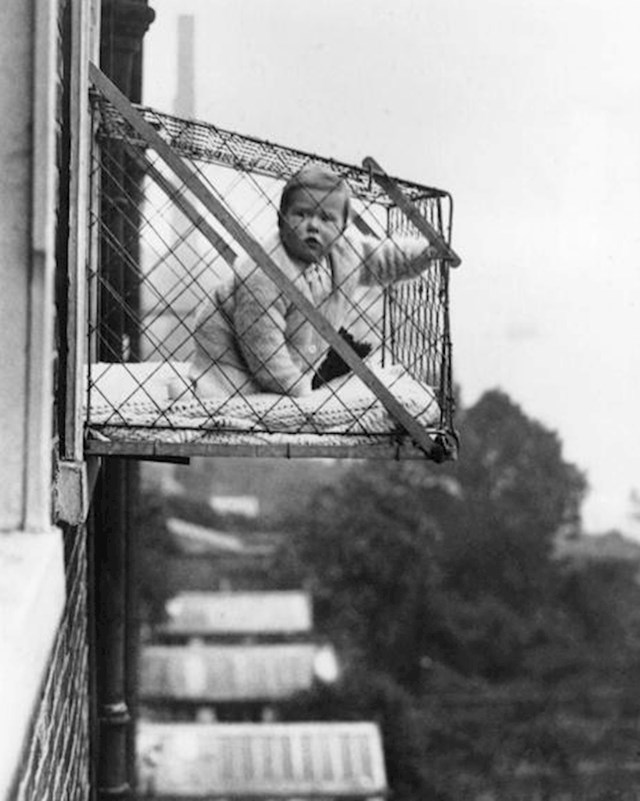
[[186, 332]]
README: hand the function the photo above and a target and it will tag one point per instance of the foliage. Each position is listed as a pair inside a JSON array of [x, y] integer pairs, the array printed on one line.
[[408, 562], [445, 580], [154, 552], [516, 494], [479, 652], [374, 546]]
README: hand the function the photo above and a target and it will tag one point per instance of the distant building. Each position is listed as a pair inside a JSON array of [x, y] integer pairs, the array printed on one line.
[[202, 540], [229, 682], [240, 505], [263, 761], [239, 616], [588, 547]]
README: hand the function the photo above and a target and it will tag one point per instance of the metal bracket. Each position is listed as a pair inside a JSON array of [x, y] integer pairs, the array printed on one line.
[[411, 211], [73, 487]]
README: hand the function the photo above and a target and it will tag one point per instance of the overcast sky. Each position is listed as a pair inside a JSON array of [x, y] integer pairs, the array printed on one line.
[[528, 112]]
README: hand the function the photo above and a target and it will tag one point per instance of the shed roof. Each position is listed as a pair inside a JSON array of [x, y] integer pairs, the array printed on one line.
[[197, 760], [226, 673], [226, 613], [193, 538]]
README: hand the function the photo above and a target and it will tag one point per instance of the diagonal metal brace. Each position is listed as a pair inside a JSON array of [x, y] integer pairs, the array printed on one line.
[[411, 211], [193, 182]]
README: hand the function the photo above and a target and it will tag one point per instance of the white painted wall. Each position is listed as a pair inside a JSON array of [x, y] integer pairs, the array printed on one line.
[[31, 560], [27, 195], [16, 114], [28, 79]]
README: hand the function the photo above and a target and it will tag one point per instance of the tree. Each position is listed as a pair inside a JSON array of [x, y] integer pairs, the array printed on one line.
[[516, 492], [451, 562], [155, 550], [368, 552]]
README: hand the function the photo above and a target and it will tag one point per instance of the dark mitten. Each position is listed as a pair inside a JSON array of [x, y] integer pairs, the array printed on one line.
[[333, 365]]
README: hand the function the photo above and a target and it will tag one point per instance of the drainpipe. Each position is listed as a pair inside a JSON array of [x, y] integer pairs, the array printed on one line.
[[123, 25]]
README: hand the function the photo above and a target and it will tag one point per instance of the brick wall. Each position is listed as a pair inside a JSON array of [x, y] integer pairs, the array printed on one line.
[[56, 765]]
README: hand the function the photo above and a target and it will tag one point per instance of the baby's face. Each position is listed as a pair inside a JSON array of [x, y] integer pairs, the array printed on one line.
[[312, 223]]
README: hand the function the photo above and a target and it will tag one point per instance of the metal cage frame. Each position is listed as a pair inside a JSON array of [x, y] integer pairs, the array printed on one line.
[[132, 137]]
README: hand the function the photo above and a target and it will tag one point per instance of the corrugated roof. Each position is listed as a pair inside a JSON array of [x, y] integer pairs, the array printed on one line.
[[200, 539], [226, 673], [261, 760], [223, 613]]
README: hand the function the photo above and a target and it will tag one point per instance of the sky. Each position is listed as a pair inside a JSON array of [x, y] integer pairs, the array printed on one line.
[[528, 112]]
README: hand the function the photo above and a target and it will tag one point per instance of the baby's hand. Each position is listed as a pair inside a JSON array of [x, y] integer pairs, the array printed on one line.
[[302, 387]]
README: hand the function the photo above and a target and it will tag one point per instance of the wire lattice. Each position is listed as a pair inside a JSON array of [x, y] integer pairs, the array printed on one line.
[[161, 255]]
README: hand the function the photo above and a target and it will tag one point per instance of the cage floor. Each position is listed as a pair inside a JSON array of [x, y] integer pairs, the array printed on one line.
[[130, 413]]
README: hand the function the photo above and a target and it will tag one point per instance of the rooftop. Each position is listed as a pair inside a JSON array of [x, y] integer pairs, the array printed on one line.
[[207, 614], [226, 673], [283, 760]]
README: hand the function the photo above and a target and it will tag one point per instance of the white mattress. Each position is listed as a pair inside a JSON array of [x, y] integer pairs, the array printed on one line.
[[129, 406]]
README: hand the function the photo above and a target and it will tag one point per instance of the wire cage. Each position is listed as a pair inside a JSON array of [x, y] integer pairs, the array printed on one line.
[[181, 208]]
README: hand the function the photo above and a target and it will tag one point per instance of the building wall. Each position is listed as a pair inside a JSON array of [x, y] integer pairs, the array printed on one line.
[[15, 176], [55, 762], [44, 667]]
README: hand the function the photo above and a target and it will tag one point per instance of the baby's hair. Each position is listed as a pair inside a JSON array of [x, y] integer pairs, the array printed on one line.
[[315, 176]]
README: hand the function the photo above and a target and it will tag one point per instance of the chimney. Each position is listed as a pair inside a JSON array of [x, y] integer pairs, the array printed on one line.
[[185, 102]]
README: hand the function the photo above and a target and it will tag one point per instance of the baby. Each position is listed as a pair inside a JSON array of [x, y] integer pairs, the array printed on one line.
[[249, 337]]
